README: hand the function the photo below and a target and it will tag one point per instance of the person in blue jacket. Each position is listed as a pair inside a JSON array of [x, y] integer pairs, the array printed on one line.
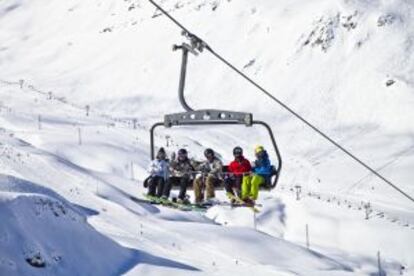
[[262, 170]]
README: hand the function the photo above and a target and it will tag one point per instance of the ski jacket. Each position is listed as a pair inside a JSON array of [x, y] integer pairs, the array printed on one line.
[[180, 168], [240, 167], [212, 168], [262, 165], [159, 168]]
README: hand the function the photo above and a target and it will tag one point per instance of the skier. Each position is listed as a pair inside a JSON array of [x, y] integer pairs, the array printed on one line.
[[180, 169], [262, 171], [159, 172], [211, 170], [239, 169]]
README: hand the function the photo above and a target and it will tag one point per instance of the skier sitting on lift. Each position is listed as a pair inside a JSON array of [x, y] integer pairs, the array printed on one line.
[[262, 170], [159, 171], [239, 170], [181, 169], [211, 170]]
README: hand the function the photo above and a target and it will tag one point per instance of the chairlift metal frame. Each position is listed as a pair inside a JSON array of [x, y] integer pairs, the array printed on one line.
[[208, 116]]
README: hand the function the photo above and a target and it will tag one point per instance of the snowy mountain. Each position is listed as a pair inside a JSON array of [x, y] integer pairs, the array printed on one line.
[[81, 83]]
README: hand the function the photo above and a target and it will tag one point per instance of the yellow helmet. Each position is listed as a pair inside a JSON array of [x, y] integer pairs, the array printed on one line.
[[258, 149]]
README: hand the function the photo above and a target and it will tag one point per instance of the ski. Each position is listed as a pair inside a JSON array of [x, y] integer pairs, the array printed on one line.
[[194, 206], [167, 203], [202, 207], [226, 203], [241, 203], [173, 204]]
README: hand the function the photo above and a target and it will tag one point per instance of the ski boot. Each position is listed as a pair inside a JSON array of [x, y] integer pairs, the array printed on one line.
[[249, 202]]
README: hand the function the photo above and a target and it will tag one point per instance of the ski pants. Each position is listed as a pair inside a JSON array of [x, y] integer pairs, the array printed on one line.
[[202, 183], [156, 186], [250, 186], [233, 183], [182, 181]]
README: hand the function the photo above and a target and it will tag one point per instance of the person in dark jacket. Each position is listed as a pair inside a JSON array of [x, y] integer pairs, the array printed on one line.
[[181, 170], [237, 172]]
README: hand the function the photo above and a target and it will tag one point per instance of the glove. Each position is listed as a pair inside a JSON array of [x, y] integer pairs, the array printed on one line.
[[146, 184]]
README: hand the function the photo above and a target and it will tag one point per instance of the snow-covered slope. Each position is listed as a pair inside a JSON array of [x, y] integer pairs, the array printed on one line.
[[162, 240], [347, 66], [41, 228]]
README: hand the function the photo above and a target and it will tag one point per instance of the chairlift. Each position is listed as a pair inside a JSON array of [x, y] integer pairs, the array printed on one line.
[[206, 117]]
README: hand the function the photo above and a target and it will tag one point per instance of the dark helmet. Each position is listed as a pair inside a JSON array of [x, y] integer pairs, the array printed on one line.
[[209, 152], [237, 151], [182, 152], [161, 153]]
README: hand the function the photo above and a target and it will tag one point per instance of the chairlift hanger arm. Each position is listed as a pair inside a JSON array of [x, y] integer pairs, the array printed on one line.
[[195, 47], [183, 73]]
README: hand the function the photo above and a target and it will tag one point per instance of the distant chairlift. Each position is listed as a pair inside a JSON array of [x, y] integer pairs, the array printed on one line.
[[206, 117]]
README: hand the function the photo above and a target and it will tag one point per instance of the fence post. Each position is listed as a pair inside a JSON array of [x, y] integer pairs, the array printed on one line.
[[79, 136], [254, 221], [379, 264], [39, 122], [87, 108], [132, 170], [298, 191], [367, 208], [307, 236], [167, 138]]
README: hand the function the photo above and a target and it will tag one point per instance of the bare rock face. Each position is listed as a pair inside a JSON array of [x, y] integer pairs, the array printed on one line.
[[385, 19], [326, 29], [36, 261], [390, 82]]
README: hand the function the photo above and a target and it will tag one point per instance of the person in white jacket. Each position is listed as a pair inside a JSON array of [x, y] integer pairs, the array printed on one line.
[[159, 174]]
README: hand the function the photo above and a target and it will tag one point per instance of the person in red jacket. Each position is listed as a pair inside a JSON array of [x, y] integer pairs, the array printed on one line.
[[237, 170]]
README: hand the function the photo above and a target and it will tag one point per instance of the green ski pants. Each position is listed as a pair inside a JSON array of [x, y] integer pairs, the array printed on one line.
[[250, 186]]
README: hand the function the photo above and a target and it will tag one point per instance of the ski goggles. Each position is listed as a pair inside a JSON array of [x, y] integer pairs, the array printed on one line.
[[237, 152]]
